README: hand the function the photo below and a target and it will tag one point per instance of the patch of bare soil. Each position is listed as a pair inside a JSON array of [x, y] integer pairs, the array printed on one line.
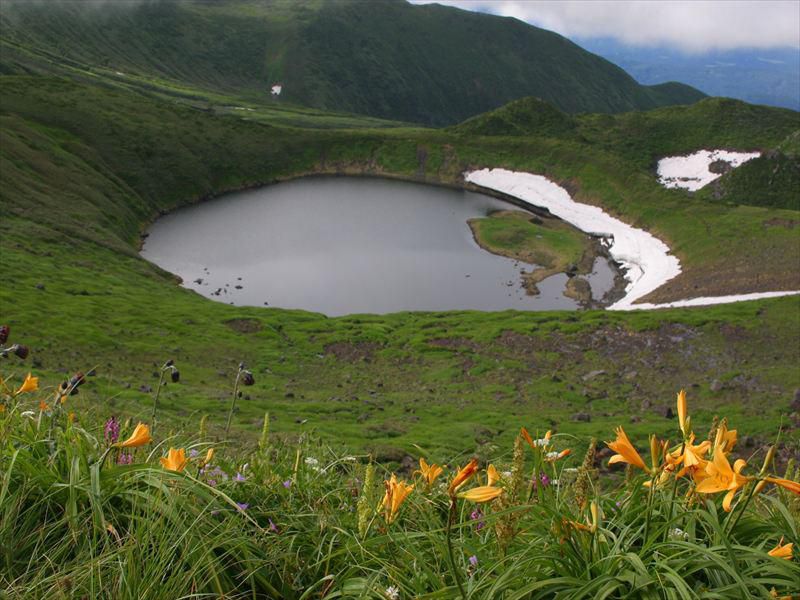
[[245, 325], [353, 351]]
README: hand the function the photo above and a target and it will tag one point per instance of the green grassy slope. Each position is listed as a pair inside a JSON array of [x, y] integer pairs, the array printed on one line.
[[772, 179], [426, 64], [85, 167]]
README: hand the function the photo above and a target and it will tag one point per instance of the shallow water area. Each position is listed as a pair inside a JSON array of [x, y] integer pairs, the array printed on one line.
[[340, 245]]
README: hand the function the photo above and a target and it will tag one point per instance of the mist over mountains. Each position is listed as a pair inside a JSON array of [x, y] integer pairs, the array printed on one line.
[[760, 76]]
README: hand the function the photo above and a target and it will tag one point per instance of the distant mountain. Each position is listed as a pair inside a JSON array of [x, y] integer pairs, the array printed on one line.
[[426, 64], [769, 77]]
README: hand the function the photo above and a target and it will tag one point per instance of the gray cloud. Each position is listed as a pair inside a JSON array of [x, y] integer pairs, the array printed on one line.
[[689, 25]]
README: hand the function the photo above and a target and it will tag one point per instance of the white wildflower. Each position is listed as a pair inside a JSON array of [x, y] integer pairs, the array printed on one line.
[[393, 592]]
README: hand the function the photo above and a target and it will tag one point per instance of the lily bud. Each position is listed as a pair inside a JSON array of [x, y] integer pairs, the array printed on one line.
[[767, 461], [21, 351], [655, 451], [682, 408], [5, 331]]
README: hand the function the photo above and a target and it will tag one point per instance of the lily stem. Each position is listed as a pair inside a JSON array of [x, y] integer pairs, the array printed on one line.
[[451, 519], [744, 506], [233, 402], [155, 401]]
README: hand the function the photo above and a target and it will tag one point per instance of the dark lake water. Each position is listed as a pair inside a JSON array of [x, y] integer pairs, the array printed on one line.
[[346, 245]]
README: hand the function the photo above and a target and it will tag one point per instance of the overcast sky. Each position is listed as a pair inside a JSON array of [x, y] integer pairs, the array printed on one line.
[[689, 25]]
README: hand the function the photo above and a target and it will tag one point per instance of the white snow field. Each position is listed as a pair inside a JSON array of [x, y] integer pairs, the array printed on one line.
[[646, 259], [691, 172]]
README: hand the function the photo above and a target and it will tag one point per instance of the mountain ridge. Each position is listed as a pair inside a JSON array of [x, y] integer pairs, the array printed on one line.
[[426, 64]]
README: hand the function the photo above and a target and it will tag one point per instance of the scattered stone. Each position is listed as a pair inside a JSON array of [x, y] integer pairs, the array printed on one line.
[[39, 286], [665, 411], [199, 280], [795, 405], [636, 419], [289, 395], [582, 416], [145, 389], [716, 385], [238, 287], [631, 375], [592, 374]]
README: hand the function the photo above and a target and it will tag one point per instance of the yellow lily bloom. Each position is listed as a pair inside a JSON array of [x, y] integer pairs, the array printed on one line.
[[484, 493], [693, 455], [492, 476], [782, 550], [625, 452], [462, 476], [396, 493], [139, 437], [31, 384], [175, 460], [682, 410], [429, 472], [722, 478]]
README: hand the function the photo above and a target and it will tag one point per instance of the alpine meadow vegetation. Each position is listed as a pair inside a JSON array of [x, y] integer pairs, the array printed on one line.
[[101, 508]]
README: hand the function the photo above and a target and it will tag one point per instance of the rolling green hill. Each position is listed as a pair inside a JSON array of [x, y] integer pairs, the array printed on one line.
[[425, 64], [86, 166]]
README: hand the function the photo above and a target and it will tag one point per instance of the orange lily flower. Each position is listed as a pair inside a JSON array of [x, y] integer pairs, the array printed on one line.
[[139, 437], [722, 478], [396, 493], [484, 493], [788, 484], [541, 443], [625, 452], [175, 460], [463, 476], [429, 472], [43, 405], [782, 550], [725, 440], [31, 384], [554, 456], [693, 455]]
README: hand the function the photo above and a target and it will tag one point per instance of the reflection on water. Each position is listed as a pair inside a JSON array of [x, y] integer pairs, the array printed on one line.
[[601, 279], [345, 245]]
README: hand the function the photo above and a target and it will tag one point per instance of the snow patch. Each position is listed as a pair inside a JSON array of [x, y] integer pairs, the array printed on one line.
[[276, 89], [646, 259], [707, 300], [691, 172]]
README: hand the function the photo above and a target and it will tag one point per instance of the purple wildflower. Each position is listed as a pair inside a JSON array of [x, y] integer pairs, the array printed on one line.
[[125, 458], [111, 431], [193, 453], [473, 560], [243, 505], [477, 515], [273, 527], [212, 482], [544, 479], [240, 477], [287, 484]]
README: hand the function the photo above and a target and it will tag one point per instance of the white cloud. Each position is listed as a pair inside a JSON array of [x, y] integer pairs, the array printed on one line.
[[689, 25]]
